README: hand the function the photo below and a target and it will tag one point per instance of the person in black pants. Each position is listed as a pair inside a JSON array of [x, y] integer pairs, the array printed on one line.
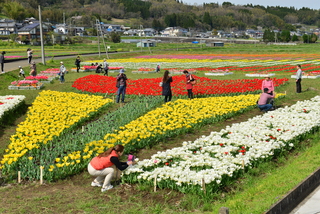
[[29, 54], [298, 79], [77, 63], [2, 61], [166, 86]]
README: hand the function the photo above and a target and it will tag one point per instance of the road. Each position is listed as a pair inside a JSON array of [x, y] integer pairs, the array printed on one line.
[[14, 65]]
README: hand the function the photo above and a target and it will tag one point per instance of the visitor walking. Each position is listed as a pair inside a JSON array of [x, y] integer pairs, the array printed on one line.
[[62, 72], [77, 63], [101, 166], [2, 61], [298, 79], [166, 86], [105, 67], [189, 85], [29, 55], [121, 85]]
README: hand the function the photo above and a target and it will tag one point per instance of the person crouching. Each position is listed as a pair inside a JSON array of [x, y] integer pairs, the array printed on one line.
[[101, 166], [264, 100]]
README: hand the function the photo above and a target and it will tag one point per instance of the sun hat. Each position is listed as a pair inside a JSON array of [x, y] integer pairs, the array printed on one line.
[[121, 71], [61, 62]]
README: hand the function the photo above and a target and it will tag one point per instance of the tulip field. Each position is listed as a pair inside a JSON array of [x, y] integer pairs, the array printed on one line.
[[63, 130]]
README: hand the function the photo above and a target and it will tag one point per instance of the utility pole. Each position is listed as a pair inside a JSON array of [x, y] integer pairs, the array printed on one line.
[[98, 34], [41, 38], [141, 37]]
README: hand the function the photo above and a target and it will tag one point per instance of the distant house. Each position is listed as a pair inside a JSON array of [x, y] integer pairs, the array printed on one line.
[[131, 32], [111, 28], [8, 27], [149, 32], [78, 31], [61, 29], [146, 43], [32, 32], [174, 31]]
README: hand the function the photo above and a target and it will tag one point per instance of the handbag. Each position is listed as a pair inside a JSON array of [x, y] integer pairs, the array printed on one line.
[[193, 81]]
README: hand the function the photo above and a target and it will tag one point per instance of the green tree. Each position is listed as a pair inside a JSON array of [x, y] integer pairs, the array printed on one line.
[[285, 36], [294, 38], [312, 38], [115, 37], [207, 19], [268, 36], [14, 10]]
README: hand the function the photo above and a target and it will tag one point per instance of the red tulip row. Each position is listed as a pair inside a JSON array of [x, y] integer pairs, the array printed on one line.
[[150, 86]]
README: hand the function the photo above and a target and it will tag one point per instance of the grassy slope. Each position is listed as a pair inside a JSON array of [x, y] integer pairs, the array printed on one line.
[[253, 193]]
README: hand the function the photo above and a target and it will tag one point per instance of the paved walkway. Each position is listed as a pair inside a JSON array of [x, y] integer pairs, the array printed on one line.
[[14, 65], [310, 205]]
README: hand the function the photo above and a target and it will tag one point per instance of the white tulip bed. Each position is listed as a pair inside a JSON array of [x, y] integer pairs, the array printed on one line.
[[9, 103], [216, 160]]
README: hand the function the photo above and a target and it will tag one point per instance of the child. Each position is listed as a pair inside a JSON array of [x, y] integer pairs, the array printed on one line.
[[21, 72]]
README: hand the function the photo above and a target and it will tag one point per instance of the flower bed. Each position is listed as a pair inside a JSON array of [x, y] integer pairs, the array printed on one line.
[[307, 77], [41, 78], [66, 147], [218, 73], [171, 119], [150, 86], [8, 105], [145, 70], [25, 85], [50, 115], [211, 162], [51, 73], [260, 75]]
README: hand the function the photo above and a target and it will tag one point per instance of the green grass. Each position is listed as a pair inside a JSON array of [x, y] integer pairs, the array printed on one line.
[[255, 192]]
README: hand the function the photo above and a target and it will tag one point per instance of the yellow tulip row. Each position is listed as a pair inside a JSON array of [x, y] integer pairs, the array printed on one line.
[[51, 113], [166, 60], [171, 117]]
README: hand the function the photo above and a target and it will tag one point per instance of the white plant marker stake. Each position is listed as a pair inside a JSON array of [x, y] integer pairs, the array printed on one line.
[[204, 186], [82, 129], [41, 175], [19, 177], [242, 164], [155, 183]]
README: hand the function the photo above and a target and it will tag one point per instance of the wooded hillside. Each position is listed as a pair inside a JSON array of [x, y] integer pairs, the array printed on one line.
[[163, 13]]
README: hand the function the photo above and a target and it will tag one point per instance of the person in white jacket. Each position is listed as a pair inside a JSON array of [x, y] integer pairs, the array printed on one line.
[[62, 72]]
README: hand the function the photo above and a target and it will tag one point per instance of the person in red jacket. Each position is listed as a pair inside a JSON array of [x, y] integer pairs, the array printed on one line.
[[101, 166], [189, 86]]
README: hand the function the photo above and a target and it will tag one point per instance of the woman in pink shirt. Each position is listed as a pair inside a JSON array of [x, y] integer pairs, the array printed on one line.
[[268, 83]]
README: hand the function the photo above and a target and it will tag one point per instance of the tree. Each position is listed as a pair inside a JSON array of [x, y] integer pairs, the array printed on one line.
[[157, 25], [294, 38], [115, 37], [14, 10], [207, 19], [285, 36], [268, 36], [312, 38]]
